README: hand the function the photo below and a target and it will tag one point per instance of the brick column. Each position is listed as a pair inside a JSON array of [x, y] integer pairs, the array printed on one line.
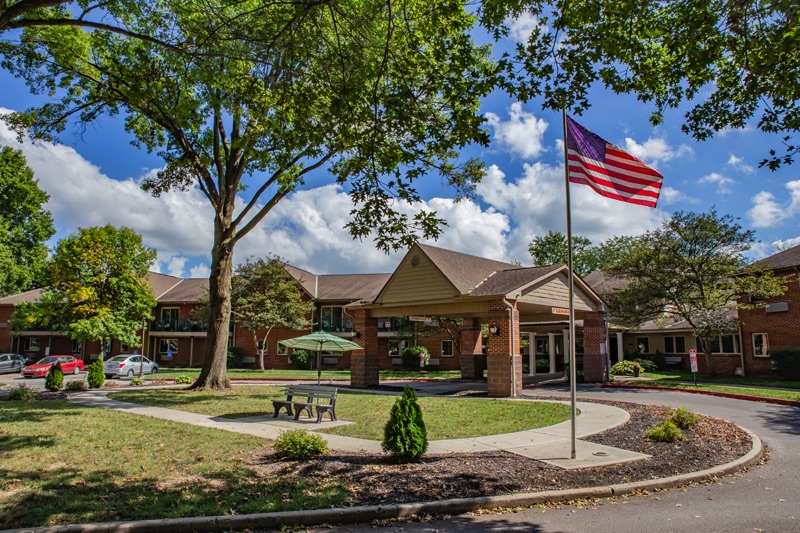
[[504, 369], [471, 341], [364, 363], [595, 364]]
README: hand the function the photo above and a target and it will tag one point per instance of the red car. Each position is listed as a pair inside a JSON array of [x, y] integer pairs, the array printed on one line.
[[69, 365]]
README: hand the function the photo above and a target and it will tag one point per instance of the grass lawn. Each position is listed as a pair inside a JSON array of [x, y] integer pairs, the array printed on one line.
[[62, 464], [731, 384], [445, 418], [307, 374]]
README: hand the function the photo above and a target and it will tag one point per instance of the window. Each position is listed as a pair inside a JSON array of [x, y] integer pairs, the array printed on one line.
[[124, 347], [542, 346], [447, 348], [396, 346], [331, 318], [282, 350], [32, 344], [760, 345], [643, 344], [77, 346], [674, 344], [729, 344], [169, 318], [167, 344], [722, 344]]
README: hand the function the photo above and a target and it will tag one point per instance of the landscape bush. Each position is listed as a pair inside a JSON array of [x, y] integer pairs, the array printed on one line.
[[235, 357], [54, 381], [404, 435], [786, 361], [23, 393], [299, 444], [96, 376], [184, 379], [411, 357], [77, 386], [666, 431], [301, 359], [660, 360], [647, 365], [622, 368], [684, 419], [137, 382]]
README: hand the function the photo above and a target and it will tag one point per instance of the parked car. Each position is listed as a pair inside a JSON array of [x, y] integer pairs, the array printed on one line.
[[69, 365], [129, 365], [12, 362]]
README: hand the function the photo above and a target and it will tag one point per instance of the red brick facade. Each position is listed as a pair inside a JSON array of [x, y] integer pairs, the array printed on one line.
[[595, 363]]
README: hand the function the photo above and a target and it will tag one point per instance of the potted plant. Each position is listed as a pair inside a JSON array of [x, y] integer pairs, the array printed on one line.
[[636, 369]]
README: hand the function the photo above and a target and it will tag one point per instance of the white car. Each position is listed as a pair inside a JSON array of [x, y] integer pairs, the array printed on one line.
[[129, 365], [11, 362]]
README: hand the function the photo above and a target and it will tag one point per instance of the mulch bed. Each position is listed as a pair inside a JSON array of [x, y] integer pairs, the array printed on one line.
[[375, 479]]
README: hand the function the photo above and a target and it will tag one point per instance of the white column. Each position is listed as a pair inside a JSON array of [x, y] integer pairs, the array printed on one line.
[[531, 354], [620, 348], [551, 351], [565, 333]]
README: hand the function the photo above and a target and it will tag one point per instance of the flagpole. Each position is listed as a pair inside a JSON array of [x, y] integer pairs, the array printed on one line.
[[572, 370]]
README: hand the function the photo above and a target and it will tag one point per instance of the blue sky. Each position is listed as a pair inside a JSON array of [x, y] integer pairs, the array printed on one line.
[[92, 177]]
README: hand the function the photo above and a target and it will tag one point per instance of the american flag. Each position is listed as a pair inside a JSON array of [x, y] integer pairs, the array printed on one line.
[[611, 172]]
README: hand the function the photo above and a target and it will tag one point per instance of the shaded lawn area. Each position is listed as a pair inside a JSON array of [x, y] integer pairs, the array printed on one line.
[[289, 373], [61, 463], [445, 418]]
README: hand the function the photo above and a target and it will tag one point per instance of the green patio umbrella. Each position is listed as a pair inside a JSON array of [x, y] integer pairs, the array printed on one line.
[[320, 341]]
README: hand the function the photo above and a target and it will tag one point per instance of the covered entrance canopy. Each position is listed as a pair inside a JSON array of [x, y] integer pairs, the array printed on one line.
[[437, 282]]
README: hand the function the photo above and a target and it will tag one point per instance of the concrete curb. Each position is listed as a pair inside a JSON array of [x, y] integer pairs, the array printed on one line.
[[404, 510], [733, 395]]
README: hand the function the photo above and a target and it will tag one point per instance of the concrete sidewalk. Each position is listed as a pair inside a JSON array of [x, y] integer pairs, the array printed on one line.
[[550, 444]]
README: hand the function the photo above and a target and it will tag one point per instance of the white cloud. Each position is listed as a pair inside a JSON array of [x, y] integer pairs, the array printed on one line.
[[739, 164], [522, 134], [723, 183], [671, 196], [175, 266], [656, 150], [535, 202], [200, 271], [522, 26], [766, 210]]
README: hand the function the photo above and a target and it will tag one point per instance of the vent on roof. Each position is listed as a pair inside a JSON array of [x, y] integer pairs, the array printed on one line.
[[414, 260]]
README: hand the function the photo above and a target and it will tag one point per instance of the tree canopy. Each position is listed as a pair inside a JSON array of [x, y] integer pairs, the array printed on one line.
[[99, 287], [731, 61], [691, 269], [378, 94], [25, 225], [265, 296], [552, 249]]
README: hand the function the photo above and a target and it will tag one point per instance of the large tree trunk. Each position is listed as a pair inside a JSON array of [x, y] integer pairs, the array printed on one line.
[[214, 374]]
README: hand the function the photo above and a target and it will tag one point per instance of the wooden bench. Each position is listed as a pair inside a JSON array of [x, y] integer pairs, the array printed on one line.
[[673, 360], [314, 397]]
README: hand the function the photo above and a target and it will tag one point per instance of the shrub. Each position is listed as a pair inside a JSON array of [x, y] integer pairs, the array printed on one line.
[[23, 393], [405, 435], [622, 368], [96, 376], [684, 419], [646, 364], [543, 365], [659, 360], [235, 357], [137, 381], [77, 386], [184, 379], [666, 431], [411, 357], [299, 444], [301, 359], [786, 361], [54, 381]]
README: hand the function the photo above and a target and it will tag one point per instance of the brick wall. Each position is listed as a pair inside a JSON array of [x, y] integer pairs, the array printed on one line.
[[595, 363], [364, 363]]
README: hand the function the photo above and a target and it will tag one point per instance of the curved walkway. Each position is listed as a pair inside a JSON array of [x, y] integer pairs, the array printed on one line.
[[550, 444]]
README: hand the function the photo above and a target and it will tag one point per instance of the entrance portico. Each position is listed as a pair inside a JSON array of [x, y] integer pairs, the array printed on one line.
[[431, 281]]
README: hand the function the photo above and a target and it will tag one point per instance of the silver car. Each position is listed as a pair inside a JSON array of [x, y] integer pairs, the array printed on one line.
[[12, 362], [129, 365]]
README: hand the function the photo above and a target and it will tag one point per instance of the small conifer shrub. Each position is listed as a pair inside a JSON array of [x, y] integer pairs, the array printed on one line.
[[666, 431], [97, 375], [54, 381], [405, 435], [300, 444], [684, 419]]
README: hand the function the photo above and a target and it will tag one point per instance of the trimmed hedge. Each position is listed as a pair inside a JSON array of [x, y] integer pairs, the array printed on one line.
[[786, 361]]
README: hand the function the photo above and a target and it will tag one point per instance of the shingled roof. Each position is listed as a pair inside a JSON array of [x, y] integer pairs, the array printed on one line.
[[351, 286], [186, 291], [505, 281], [464, 271], [782, 260]]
